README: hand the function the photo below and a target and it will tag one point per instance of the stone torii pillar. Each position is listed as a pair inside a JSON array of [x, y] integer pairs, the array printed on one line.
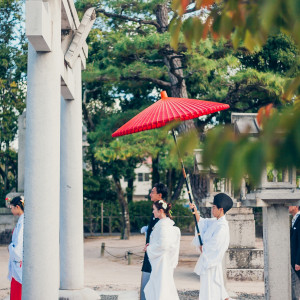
[[71, 185], [53, 173], [42, 152]]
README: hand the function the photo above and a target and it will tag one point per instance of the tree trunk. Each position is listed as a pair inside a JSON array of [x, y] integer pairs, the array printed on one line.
[[129, 192], [174, 63], [178, 189], [155, 172], [125, 233], [6, 181], [200, 186], [169, 183]]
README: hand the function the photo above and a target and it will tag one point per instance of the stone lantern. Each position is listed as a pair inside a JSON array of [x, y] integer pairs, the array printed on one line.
[[275, 193]]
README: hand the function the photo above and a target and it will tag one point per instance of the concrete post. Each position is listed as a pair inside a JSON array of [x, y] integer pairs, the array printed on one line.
[[277, 253], [71, 194], [42, 158]]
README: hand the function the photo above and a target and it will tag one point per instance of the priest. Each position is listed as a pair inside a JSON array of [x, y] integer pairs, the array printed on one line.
[[215, 236]]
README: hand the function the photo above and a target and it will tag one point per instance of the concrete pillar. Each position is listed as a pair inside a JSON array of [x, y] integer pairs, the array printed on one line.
[[42, 168], [21, 151], [71, 193], [277, 253]]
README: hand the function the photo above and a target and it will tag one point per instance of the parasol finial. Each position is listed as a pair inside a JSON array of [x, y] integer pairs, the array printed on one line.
[[163, 95]]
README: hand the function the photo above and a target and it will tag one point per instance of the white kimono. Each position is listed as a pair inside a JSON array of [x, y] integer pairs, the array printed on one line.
[[163, 253], [15, 249], [215, 238]]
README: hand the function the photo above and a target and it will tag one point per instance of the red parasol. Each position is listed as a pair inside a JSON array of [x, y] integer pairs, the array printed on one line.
[[169, 109]]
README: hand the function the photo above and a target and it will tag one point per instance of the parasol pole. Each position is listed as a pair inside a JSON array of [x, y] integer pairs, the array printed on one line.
[[187, 186]]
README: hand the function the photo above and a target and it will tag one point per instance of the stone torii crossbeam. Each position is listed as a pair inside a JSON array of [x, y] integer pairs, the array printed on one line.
[[53, 232]]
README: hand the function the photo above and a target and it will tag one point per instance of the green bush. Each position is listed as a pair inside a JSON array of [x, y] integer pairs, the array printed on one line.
[[139, 212]]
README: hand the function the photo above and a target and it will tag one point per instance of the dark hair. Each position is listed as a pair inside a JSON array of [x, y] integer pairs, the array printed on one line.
[[19, 200], [161, 189], [159, 205], [222, 200]]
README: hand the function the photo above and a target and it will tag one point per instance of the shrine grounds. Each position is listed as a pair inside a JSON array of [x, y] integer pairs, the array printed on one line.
[[112, 273]]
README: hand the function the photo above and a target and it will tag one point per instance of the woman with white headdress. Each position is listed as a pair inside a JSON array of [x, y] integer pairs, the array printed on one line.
[[163, 253], [15, 249]]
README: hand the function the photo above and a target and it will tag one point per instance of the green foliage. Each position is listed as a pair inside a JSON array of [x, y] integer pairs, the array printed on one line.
[[129, 63], [250, 24], [140, 213], [278, 55], [268, 73], [244, 156], [12, 88], [92, 216]]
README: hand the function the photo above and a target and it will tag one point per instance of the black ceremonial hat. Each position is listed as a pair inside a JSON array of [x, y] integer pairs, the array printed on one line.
[[222, 200]]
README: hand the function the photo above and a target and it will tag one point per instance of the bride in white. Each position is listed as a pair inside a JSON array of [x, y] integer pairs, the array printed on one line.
[[163, 253]]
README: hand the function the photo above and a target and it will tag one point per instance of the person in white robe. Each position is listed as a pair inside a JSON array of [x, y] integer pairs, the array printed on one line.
[[215, 237], [163, 253], [15, 250]]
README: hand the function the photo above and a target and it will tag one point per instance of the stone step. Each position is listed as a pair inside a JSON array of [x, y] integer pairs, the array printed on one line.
[[245, 274], [245, 258]]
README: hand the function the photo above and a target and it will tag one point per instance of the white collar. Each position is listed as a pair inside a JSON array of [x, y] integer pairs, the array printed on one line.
[[295, 216], [222, 218]]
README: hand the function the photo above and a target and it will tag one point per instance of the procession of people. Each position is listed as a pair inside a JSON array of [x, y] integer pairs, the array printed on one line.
[[162, 249]]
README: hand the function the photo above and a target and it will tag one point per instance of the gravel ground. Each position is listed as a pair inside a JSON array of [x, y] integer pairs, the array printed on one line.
[[194, 295], [250, 297], [107, 297]]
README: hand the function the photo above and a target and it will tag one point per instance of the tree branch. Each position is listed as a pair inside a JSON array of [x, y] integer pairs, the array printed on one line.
[[159, 82], [91, 125], [126, 18], [152, 61]]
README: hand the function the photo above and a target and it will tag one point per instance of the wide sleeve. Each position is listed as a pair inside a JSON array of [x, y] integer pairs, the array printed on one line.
[[203, 225], [16, 246], [160, 243], [215, 247]]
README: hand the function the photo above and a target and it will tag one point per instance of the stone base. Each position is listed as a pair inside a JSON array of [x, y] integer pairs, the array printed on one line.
[[84, 294], [245, 258], [245, 264], [245, 274]]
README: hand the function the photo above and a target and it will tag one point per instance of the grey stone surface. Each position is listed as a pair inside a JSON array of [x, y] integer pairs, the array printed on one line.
[[71, 190], [277, 252], [245, 274], [7, 224], [42, 162], [245, 259], [242, 228]]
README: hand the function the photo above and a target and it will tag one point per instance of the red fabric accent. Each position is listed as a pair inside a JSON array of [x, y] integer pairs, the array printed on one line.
[[166, 110], [15, 290]]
